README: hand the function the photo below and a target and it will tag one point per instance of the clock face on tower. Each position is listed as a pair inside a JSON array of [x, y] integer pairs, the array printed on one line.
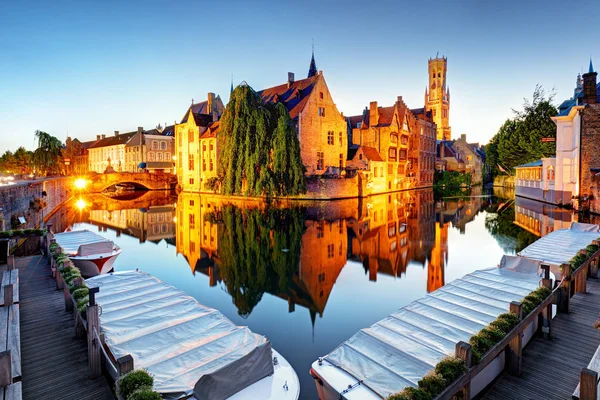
[[433, 85]]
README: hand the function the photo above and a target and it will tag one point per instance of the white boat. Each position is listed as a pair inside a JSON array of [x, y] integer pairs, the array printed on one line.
[[91, 253], [192, 351]]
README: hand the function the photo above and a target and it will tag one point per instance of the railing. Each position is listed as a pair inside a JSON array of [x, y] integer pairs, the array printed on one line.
[[512, 344]]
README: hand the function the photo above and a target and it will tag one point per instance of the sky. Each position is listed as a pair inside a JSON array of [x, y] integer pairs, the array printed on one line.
[[79, 69]]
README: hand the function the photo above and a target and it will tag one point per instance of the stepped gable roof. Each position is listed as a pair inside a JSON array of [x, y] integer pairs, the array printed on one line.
[[371, 153], [294, 97], [537, 163], [113, 140]]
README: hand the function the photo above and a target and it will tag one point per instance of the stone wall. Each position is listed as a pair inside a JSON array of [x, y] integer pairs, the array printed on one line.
[[590, 154], [15, 200], [331, 188]]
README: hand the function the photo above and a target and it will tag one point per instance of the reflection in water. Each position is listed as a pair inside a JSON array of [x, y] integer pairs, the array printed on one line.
[[360, 259]]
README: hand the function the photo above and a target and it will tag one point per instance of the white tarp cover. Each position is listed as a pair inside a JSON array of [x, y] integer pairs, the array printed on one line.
[[560, 246], [95, 248], [178, 340], [399, 350], [70, 241], [521, 264]]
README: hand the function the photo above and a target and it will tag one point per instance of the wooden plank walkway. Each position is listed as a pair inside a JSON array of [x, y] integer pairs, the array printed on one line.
[[54, 362], [551, 367]]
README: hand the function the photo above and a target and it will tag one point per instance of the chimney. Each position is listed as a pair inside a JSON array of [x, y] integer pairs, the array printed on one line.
[[290, 79], [116, 133], [589, 87], [399, 100], [373, 114], [97, 137], [140, 129], [103, 136], [463, 137], [210, 102]]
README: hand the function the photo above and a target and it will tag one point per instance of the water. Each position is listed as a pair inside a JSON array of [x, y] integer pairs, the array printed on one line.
[[308, 276]]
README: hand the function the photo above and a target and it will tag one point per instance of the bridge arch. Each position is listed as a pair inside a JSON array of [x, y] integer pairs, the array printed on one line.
[[98, 183]]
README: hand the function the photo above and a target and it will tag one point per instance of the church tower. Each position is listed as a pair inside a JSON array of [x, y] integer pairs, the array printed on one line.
[[437, 96]]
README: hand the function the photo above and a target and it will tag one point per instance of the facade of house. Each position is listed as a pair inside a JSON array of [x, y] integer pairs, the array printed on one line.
[[423, 145], [322, 129], [571, 176], [472, 156], [448, 159], [151, 150], [80, 160], [107, 154], [196, 144], [437, 96]]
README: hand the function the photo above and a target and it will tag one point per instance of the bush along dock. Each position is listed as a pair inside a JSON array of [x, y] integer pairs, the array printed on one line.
[[137, 385], [71, 276]]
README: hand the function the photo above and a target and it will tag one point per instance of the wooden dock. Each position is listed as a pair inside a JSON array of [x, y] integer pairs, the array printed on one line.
[[551, 368], [54, 362]]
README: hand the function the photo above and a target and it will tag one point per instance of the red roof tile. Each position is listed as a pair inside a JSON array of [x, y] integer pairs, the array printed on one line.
[[113, 140], [294, 97], [371, 153], [386, 115]]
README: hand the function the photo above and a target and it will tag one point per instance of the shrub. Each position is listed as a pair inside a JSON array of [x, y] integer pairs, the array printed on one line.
[[432, 383], [5, 234], [82, 302], [577, 261], [534, 299], [53, 246], [509, 318], [40, 232], [411, 393], [145, 393], [80, 293], [492, 333], [592, 248], [501, 325], [29, 231], [18, 232], [450, 368], [82, 309], [73, 288], [479, 346], [134, 380]]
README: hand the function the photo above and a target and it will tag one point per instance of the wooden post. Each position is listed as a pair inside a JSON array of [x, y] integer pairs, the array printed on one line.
[[125, 364], [546, 269], [8, 295], [463, 351], [60, 284], [588, 384], [594, 264], [5, 369], [11, 263], [581, 286], [49, 227], [546, 314], [93, 325], [515, 347], [565, 293]]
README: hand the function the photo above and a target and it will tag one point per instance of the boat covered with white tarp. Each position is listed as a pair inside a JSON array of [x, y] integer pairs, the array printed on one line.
[[559, 247], [190, 349], [91, 253], [399, 350]]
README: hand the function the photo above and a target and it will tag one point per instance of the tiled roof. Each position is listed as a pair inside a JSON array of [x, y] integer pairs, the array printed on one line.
[[386, 115], [169, 131], [417, 111], [294, 97], [537, 163], [113, 140], [354, 120], [202, 119], [371, 153], [212, 130], [198, 108]]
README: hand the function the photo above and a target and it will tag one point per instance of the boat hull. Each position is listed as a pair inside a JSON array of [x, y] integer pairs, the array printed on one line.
[[95, 264]]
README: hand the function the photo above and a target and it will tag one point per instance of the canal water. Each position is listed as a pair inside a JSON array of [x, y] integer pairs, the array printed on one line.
[[310, 275]]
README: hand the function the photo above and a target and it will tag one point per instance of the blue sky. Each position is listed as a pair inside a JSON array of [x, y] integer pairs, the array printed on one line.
[[86, 68]]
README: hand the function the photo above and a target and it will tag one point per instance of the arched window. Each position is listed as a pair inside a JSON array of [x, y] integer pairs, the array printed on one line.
[[159, 156], [154, 145], [439, 75], [150, 156], [163, 145], [550, 173]]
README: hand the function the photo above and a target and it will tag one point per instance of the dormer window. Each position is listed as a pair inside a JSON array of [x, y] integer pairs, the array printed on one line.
[[359, 125]]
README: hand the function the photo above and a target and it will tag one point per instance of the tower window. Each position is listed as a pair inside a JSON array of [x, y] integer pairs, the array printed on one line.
[[439, 75], [321, 95], [321, 111], [330, 137]]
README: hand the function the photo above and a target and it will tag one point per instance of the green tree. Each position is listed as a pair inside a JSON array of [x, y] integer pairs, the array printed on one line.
[[46, 156], [254, 139], [7, 162], [23, 159]]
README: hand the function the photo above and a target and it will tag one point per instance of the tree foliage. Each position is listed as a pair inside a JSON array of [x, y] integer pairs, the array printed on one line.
[[259, 148], [46, 156], [519, 140], [18, 162]]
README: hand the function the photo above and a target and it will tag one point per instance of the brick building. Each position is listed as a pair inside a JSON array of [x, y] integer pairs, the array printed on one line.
[[196, 144]]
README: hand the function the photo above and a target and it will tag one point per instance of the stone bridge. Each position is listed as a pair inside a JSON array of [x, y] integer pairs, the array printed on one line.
[[98, 183]]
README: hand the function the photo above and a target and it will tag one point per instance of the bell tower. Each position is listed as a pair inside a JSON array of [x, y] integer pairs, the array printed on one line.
[[437, 96]]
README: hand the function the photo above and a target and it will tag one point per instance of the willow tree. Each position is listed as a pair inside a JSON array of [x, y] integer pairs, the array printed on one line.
[[259, 148], [47, 154]]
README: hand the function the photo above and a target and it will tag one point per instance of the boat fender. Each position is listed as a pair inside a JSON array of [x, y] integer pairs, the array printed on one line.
[[315, 377]]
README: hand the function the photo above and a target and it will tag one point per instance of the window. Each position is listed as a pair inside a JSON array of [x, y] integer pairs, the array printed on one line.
[[340, 136], [404, 139], [330, 251], [330, 137], [550, 175], [321, 95], [434, 112], [321, 277], [154, 145], [394, 138], [191, 203], [321, 111], [390, 169], [191, 162], [439, 75], [180, 139], [203, 146], [320, 161], [167, 156], [341, 161], [192, 221], [210, 165], [210, 146], [375, 172], [192, 247], [360, 156], [341, 226], [180, 160], [150, 156], [163, 145], [402, 154], [159, 156], [320, 230], [392, 153], [203, 165]]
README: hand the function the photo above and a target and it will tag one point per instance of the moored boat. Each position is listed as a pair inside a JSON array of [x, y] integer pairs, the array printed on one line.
[[91, 253], [192, 351]]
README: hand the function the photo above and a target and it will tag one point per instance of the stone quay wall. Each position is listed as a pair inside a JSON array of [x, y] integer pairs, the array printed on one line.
[[16, 200]]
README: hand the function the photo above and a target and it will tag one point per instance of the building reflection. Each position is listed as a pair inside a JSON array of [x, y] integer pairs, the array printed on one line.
[[540, 218], [153, 223]]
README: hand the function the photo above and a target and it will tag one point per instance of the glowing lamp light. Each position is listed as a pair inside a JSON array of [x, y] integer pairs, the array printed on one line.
[[80, 183], [174, 219], [81, 204]]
